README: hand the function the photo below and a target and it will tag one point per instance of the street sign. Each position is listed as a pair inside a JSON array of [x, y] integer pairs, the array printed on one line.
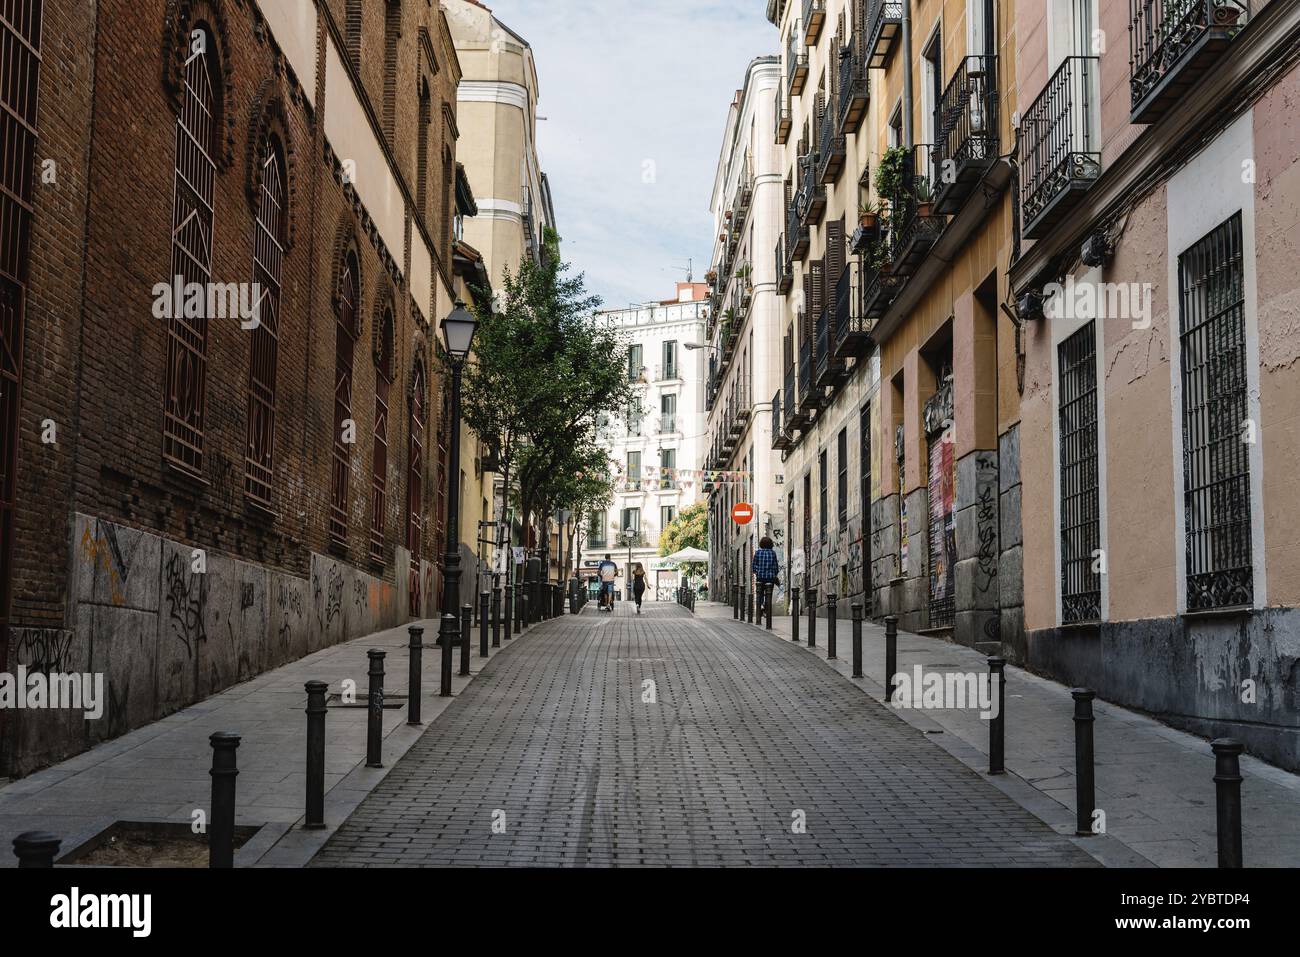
[[742, 513]]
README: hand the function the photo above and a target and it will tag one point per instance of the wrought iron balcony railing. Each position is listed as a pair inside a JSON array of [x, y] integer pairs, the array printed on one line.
[[779, 439], [1060, 145], [791, 398], [886, 24], [796, 63], [667, 423], [814, 19], [853, 91], [784, 269], [852, 330], [797, 236], [812, 195], [967, 123], [805, 371], [830, 155], [1172, 45], [914, 226], [878, 292], [783, 115]]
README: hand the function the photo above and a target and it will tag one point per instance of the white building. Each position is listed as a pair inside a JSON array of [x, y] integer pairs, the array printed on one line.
[[746, 334], [656, 453]]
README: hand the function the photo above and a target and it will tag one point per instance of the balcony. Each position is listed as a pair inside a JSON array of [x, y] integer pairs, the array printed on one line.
[[667, 372], [667, 423], [967, 121], [884, 32], [814, 18], [797, 237], [878, 292], [1172, 45], [850, 335], [779, 440], [783, 116], [1060, 145], [830, 157], [808, 396], [829, 369], [784, 269], [914, 226], [794, 416], [811, 201], [796, 64], [854, 95]]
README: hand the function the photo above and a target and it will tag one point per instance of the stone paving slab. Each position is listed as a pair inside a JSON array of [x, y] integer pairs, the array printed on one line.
[[555, 757], [1155, 783], [160, 772]]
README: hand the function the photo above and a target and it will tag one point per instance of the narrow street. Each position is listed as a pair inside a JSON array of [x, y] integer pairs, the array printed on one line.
[[577, 759]]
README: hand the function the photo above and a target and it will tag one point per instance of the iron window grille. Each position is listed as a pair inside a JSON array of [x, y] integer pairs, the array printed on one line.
[[1216, 463], [1080, 487], [192, 223], [864, 471], [938, 417], [379, 461], [268, 258], [842, 478], [415, 484], [345, 337]]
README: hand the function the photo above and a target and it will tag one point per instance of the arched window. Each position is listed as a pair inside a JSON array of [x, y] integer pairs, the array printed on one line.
[[187, 335], [268, 257], [415, 478], [379, 469], [345, 337]]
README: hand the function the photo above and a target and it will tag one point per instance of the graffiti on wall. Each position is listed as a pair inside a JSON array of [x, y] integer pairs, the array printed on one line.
[[186, 596], [103, 551], [47, 650]]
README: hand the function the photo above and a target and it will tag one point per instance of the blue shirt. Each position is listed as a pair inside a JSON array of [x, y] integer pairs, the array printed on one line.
[[766, 568]]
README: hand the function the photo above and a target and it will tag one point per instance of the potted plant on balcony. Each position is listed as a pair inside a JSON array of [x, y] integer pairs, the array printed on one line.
[[892, 170], [923, 196]]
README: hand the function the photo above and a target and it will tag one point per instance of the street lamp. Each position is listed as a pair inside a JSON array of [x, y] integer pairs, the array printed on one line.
[[458, 335], [629, 536]]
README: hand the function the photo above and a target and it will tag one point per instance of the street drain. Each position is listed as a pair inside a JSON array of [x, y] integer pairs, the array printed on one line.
[[148, 844]]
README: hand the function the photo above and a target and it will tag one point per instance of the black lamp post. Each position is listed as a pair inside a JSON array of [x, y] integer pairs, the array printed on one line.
[[458, 335]]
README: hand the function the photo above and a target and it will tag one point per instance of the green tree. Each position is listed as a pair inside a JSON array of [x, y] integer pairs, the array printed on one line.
[[690, 529]]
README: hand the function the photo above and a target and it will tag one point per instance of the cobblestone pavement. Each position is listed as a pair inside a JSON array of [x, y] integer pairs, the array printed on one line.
[[556, 747]]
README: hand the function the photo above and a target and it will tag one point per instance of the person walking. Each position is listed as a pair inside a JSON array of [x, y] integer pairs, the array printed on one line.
[[607, 571], [767, 572], [638, 584]]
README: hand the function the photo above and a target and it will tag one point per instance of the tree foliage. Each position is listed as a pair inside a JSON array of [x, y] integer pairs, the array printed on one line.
[[690, 529]]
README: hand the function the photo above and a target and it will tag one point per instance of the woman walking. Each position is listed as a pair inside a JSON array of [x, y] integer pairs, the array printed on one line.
[[638, 584]]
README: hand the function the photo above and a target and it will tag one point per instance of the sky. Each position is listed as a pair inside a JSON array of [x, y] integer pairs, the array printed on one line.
[[635, 95]]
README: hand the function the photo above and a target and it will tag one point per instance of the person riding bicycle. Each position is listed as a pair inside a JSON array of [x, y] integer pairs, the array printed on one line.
[[607, 572], [767, 570]]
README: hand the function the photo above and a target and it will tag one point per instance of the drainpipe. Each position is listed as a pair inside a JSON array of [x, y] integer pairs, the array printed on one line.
[[907, 74]]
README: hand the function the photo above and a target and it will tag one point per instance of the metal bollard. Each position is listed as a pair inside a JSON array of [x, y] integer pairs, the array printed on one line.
[[496, 617], [752, 600], [856, 611], [831, 599], [1227, 787], [508, 615], [812, 617], [375, 710], [794, 613], [36, 849], [316, 711], [891, 655], [735, 602], [1085, 791], [221, 827], [446, 639], [769, 592], [523, 612], [997, 726], [466, 636], [484, 603], [415, 673]]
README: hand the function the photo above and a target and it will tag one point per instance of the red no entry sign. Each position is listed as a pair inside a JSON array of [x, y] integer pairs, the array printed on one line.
[[742, 514]]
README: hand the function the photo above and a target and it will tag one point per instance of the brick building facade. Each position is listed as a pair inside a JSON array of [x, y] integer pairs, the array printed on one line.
[[190, 498]]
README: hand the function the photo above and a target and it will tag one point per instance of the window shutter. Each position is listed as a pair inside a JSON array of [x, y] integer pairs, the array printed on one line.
[[834, 250]]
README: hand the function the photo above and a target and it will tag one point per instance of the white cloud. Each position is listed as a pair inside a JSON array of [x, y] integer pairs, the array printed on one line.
[[624, 82]]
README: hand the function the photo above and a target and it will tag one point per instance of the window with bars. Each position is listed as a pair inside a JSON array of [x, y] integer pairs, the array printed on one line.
[[20, 41], [345, 337], [1080, 488], [379, 461], [1216, 462], [268, 258], [192, 221], [824, 476], [864, 495], [842, 479], [419, 410]]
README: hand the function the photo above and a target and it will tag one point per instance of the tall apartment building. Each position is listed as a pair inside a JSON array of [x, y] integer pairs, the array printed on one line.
[[900, 408], [654, 448], [744, 334], [188, 498], [1157, 282], [497, 121]]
